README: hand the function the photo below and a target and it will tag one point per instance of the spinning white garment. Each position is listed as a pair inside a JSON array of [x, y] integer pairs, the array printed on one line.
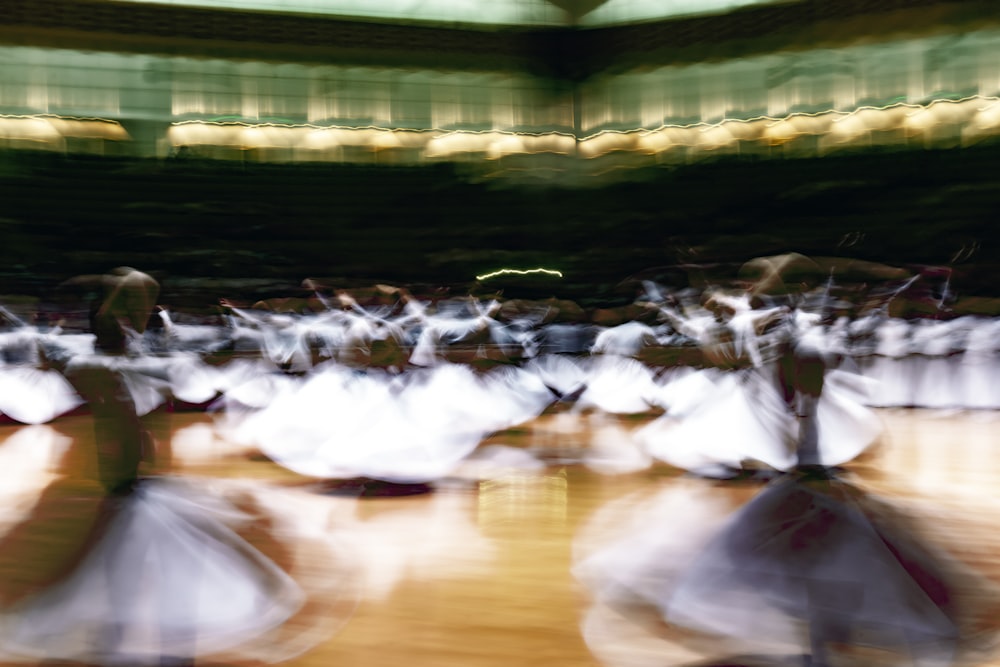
[[890, 367], [811, 565], [812, 560], [618, 385], [612, 384], [415, 428], [740, 417], [167, 576], [936, 383], [979, 368], [33, 396], [511, 396], [564, 375], [682, 390], [743, 418], [847, 426], [192, 380], [251, 383], [618, 554], [626, 340], [629, 554]]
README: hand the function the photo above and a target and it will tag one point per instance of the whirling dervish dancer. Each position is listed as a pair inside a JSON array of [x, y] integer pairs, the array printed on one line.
[[179, 351], [888, 364], [812, 565], [163, 578], [746, 413], [118, 320], [282, 341], [730, 414], [812, 561], [370, 338], [626, 340], [204, 339], [443, 333]]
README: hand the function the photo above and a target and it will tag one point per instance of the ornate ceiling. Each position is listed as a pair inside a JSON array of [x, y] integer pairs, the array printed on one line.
[[583, 13]]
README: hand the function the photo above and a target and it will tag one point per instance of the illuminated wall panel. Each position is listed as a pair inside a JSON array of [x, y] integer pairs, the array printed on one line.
[[36, 80], [934, 91], [779, 84]]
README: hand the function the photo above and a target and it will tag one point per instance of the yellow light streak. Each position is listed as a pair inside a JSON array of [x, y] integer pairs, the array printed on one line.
[[519, 272]]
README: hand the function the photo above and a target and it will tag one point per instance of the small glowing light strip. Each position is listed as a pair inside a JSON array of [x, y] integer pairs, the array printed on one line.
[[308, 126], [54, 116], [519, 272], [440, 132]]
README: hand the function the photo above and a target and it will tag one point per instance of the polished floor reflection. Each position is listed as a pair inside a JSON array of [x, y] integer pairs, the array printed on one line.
[[478, 572]]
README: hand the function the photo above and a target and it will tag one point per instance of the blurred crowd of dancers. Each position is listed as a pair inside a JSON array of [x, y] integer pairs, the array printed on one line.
[[774, 378]]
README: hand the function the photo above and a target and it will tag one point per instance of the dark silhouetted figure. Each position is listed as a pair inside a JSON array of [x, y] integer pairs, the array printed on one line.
[[163, 579], [814, 561]]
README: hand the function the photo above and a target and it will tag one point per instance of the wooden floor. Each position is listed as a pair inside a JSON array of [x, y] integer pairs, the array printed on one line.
[[478, 573]]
